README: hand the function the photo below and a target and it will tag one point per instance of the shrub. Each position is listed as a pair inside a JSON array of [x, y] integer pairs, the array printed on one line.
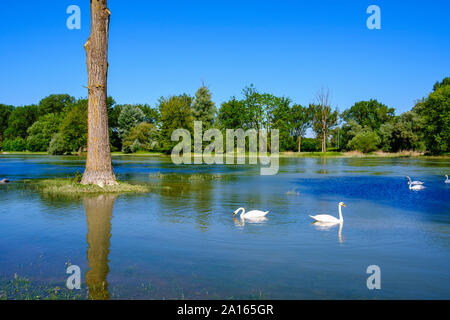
[[365, 141], [17, 144]]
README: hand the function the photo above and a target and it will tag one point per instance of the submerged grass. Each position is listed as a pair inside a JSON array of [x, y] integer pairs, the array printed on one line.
[[69, 187], [188, 177]]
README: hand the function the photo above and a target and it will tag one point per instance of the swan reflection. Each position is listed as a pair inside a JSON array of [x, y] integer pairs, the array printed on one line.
[[240, 222], [327, 226]]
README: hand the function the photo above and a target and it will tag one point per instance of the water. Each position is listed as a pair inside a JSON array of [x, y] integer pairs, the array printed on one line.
[[181, 240]]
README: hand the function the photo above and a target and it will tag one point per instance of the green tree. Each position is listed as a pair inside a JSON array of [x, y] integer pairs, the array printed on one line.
[[203, 108], [130, 116], [15, 144], [371, 114], [175, 114], [5, 112], [300, 122], [41, 132], [142, 137], [365, 141], [55, 103], [232, 114], [20, 119], [73, 128], [436, 116]]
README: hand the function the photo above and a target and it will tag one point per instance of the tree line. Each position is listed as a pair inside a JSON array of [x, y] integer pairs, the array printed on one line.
[[58, 123]]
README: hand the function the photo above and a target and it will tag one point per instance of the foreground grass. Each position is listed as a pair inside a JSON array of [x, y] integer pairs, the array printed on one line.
[[69, 187]]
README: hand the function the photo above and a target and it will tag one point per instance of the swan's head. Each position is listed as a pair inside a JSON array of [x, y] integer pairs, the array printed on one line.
[[341, 204], [234, 213], [408, 178]]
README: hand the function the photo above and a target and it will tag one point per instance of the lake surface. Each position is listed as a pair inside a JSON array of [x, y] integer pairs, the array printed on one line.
[[181, 241]]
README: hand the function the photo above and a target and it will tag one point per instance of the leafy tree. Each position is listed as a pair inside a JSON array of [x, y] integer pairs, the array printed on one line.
[[130, 116], [232, 114], [203, 108], [371, 114], [443, 83], [151, 114], [55, 103], [142, 137], [41, 132], [175, 114], [365, 141], [73, 128], [279, 117], [300, 122], [5, 112], [436, 116], [57, 145], [20, 119], [16, 144]]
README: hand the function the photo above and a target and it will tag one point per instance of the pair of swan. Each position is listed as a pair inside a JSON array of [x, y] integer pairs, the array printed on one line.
[[324, 218], [415, 185]]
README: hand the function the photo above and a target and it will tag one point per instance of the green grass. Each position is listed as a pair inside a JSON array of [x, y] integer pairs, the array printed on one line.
[[69, 187], [189, 177]]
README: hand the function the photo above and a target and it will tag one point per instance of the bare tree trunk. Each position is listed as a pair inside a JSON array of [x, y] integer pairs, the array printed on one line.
[[99, 168], [299, 143]]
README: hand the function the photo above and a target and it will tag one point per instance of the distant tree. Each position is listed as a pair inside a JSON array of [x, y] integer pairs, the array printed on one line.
[[436, 116], [55, 103], [203, 108], [232, 114], [20, 119], [5, 112], [365, 141], [57, 145], [324, 119], [371, 114], [42, 131], [175, 114], [301, 120], [443, 83], [279, 117], [15, 144], [73, 128], [130, 116], [142, 137], [151, 114]]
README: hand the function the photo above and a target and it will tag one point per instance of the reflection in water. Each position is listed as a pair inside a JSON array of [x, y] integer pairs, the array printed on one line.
[[240, 222], [98, 215], [324, 226]]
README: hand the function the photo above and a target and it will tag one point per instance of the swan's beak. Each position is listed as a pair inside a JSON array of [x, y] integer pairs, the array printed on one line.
[[344, 205]]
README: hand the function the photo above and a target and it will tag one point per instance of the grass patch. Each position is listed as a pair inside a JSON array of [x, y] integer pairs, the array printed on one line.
[[189, 177], [69, 187]]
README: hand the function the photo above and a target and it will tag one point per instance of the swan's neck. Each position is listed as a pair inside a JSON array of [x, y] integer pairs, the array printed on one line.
[[340, 214], [243, 211]]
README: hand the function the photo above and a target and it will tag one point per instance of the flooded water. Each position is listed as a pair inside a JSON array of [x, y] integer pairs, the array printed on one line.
[[181, 241]]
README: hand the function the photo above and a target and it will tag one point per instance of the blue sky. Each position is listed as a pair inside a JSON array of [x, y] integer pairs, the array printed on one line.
[[288, 48]]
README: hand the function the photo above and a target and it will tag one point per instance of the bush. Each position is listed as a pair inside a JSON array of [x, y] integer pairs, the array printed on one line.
[[57, 145], [310, 145], [142, 137], [18, 144], [365, 141]]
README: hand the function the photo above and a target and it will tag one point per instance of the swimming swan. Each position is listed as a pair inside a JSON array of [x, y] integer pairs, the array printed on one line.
[[330, 219], [446, 180], [414, 182], [254, 214], [415, 187]]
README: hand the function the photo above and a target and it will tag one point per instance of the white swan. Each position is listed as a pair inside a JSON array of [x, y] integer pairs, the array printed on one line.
[[330, 219], [254, 214], [446, 179], [415, 187], [414, 182]]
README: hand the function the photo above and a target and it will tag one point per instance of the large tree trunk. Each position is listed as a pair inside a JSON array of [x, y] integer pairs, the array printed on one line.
[[299, 143], [99, 168]]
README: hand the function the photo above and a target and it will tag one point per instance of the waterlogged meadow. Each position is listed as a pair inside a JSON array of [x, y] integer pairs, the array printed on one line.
[[179, 240]]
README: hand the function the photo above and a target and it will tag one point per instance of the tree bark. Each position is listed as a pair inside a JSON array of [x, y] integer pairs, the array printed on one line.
[[99, 168], [299, 143]]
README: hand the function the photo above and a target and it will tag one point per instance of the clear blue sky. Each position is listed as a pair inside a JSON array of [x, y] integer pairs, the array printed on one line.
[[289, 48]]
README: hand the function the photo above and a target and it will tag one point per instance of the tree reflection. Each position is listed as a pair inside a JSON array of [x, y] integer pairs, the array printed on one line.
[[98, 215]]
